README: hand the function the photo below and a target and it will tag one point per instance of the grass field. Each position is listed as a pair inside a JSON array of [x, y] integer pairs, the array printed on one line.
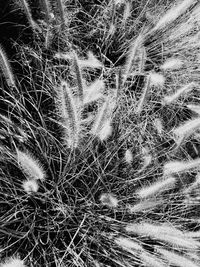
[[99, 136]]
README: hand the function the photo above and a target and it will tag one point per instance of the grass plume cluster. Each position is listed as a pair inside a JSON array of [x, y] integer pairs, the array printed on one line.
[[99, 153]]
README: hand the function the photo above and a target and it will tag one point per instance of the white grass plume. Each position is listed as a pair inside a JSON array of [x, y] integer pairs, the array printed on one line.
[[6, 68], [46, 10], [94, 91], [79, 77], [30, 186], [158, 125], [143, 58], [175, 259], [193, 185], [25, 6], [151, 260], [172, 64], [156, 79], [165, 233], [182, 91], [127, 12], [144, 206], [147, 158], [104, 114], [173, 13], [109, 200], [156, 188], [90, 62], [62, 12], [13, 262], [180, 166], [127, 243], [128, 156], [131, 56], [69, 114], [185, 130], [31, 167], [194, 108], [144, 96], [106, 131]]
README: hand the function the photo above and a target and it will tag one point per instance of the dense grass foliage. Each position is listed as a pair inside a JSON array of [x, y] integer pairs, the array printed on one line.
[[99, 134]]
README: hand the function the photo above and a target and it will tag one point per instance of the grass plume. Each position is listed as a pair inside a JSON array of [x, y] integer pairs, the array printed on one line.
[[6, 68]]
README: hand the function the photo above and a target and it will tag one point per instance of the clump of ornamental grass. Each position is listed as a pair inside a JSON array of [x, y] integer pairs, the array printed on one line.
[[101, 178]]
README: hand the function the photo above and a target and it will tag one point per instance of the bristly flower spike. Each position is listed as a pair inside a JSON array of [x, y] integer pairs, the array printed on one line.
[[6, 68], [13, 262], [70, 115], [31, 167]]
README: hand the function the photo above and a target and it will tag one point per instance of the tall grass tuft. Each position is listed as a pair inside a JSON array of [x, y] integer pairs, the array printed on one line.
[[99, 162]]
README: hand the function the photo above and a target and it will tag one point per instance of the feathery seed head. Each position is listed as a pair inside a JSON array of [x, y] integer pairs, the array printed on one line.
[[172, 64], [30, 186], [173, 258], [194, 108], [127, 243], [158, 125], [180, 166], [6, 68], [157, 79], [173, 13], [183, 90], [156, 188], [144, 205], [31, 167], [185, 130], [106, 131], [108, 200], [70, 115], [13, 262], [128, 156], [94, 91]]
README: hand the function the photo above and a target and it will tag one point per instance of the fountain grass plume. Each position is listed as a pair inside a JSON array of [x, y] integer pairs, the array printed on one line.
[[156, 188], [31, 167], [144, 96], [173, 258], [172, 64], [13, 262], [182, 91], [6, 68], [63, 13], [173, 13], [70, 115], [186, 129], [26, 8], [172, 167], [131, 55], [94, 91], [79, 78], [46, 10], [102, 117], [164, 233]]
